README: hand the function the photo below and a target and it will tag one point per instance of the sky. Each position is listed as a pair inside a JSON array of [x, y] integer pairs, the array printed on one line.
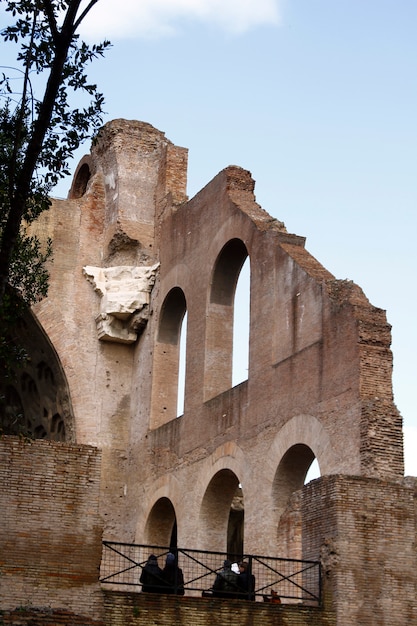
[[317, 99]]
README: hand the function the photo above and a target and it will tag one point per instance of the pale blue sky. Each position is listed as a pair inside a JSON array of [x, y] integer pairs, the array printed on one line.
[[318, 99]]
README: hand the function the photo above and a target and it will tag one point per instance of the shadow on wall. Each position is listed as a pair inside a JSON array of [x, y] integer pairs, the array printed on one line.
[[34, 399]]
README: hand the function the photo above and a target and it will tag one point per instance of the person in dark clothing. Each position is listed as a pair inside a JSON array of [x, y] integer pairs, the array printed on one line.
[[225, 585], [151, 577], [173, 576], [246, 582]]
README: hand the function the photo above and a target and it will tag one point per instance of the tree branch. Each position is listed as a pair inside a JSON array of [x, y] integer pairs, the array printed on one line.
[[27, 156], [21, 115], [68, 27], [84, 13], [49, 12]]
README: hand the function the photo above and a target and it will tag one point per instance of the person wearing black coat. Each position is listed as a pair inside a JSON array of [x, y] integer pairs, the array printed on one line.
[[225, 584], [246, 582], [151, 577], [173, 576]]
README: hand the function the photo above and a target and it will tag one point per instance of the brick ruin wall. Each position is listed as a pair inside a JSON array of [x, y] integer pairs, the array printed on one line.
[[128, 609], [137, 610], [50, 530], [365, 532], [363, 529], [319, 385]]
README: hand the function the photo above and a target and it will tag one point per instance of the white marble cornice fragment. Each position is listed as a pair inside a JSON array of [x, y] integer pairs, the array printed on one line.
[[125, 291]]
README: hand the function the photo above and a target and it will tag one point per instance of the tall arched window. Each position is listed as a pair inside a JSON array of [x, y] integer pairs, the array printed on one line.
[[167, 359], [220, 319]]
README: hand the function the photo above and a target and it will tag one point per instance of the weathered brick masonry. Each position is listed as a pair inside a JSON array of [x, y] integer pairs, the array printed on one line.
[[136, 610], [365, 530], [127, 609], [50, 530], [132, 257], [27, 616]]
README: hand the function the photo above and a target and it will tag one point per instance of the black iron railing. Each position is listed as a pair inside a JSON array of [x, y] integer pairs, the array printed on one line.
[[275, 579]]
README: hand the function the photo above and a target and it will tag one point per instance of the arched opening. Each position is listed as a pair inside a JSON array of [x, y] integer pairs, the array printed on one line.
[[161, 525], [166, 366], [220, 319], [222, 515], [289, 479], [236, 527], [79, 186], [36, 402]]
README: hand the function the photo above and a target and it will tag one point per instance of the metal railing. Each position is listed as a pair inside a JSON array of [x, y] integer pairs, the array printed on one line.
[[275, 579]]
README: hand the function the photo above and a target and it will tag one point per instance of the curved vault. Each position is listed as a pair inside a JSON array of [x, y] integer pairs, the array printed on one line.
[[35, 400]]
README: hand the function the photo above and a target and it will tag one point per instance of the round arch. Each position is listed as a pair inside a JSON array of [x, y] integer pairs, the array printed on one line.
[[81, 178], [301, 440], [216, 508], [308, 430], [37, 403], [165, 373], [161, 525], [226, 271], [220, 315], [288, 481], [221, 508], [162, 499]]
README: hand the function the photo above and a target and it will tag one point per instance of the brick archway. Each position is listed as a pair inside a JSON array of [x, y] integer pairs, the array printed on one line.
[[308, 430], [215, 510], [289, 480], [36, 400], [161, 525], [220, 309], [167, 357]]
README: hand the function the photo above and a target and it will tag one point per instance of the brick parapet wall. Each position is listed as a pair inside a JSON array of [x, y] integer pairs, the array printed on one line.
[[137, 609], [50, 531], [24, 616], [364, 530]]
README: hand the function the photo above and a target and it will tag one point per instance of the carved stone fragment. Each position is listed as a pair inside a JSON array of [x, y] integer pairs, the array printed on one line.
[[124, 292]]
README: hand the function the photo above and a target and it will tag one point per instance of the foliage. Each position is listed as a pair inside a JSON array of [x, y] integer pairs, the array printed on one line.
[[40, 128], [27, 271], [39, 134]]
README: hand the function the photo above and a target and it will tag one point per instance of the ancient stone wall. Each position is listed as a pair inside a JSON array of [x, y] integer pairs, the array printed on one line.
[[319, 375], [320, 362], [314, 388], [365, 531], [50, 529], [141, 610], [129, 609]]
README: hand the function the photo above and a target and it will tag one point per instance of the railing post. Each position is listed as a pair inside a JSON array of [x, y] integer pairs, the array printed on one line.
[[251, 595]]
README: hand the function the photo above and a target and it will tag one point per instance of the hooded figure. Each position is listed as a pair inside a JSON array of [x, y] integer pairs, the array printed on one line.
[[151, 576], [173, 576]]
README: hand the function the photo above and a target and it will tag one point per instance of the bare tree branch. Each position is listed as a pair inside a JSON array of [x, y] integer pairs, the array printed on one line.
[[84, 13]]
